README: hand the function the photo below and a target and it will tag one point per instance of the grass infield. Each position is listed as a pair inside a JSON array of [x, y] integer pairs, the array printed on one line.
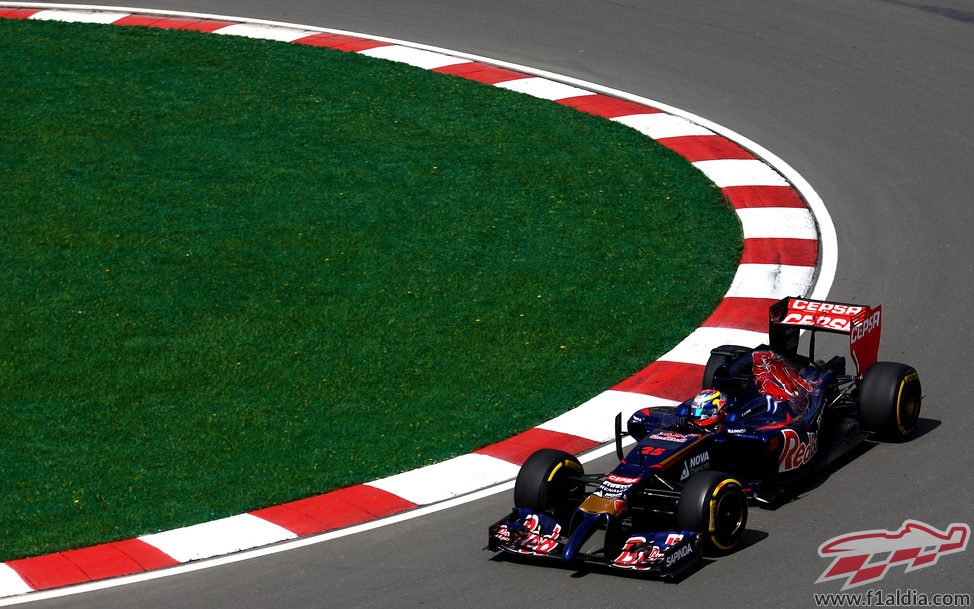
[[239, 272]]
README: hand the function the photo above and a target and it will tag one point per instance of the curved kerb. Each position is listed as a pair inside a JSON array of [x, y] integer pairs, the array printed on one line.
[[789, 250]]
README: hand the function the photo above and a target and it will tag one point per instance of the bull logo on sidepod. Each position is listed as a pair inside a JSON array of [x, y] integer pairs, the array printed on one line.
[[866, 556]]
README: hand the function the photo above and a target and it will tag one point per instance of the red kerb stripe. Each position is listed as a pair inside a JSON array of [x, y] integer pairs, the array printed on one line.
[[341, 42], [705, 148], [88, 564], [173, 23], [741, 314], [605, 106], [481, 72], [763, 196], [669, 380], [50, 571], [335, 510], [18, 13], [517, 449]]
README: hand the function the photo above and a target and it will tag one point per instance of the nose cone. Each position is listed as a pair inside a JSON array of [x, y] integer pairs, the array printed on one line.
[[586, 525]]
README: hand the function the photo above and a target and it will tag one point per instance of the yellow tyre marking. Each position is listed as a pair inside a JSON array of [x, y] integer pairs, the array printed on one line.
[[713, 506], [566, 463], [899, 402]]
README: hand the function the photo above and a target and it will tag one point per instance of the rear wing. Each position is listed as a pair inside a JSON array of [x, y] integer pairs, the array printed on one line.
[[789, 316]]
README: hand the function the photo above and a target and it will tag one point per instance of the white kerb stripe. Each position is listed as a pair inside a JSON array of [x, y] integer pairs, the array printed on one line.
[[80, 16], [595, 418], [11, 583], [740, 172], [263, 32], [659, 125], [770, 281], [543, 88], [447, 479], [217, 537], [695, 349], [777, 222], [419, 58]]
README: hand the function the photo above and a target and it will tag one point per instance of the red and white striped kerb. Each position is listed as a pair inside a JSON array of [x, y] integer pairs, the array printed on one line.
[[781, 249]]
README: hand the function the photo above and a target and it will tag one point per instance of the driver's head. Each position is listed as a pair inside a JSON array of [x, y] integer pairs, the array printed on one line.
[[708, 407]]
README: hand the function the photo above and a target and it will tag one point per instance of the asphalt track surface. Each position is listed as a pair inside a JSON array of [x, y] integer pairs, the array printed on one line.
[[870, 101]]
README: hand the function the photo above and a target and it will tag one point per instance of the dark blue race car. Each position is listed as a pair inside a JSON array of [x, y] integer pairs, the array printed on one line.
[[767, 418]]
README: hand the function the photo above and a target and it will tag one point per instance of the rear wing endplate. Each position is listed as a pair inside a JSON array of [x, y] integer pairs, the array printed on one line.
[[789, 316]]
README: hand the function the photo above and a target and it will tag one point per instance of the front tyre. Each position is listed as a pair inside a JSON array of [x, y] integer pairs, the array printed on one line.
[[714, 504], [546, 480], [889, 400]]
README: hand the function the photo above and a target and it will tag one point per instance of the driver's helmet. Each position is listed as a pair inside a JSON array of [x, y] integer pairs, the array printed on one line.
[[708, 407]]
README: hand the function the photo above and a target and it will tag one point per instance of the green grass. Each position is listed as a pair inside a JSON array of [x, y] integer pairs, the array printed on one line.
[[263, 271]]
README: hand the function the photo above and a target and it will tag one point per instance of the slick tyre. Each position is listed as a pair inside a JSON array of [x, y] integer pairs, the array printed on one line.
[[889, 400], [714, 504], [546, 480]]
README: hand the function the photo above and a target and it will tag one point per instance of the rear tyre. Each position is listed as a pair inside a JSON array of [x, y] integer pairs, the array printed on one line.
[[889, 400], [546, 480], [714, 504]]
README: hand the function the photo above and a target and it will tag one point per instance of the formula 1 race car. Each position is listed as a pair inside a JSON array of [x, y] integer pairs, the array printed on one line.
[[683, 490]]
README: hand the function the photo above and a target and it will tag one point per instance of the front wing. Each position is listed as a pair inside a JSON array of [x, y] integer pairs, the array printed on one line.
[[664, 554]]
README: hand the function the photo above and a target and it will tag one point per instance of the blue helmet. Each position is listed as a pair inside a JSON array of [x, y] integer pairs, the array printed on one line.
[[708, 407]]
